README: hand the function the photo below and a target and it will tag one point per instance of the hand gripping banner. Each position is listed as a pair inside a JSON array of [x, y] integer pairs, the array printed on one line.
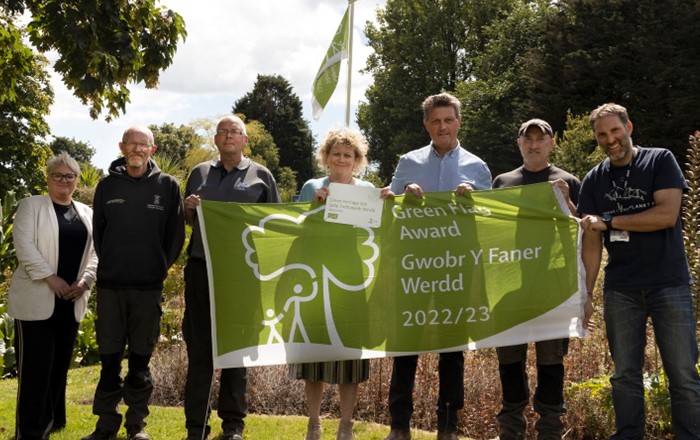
[[444, 273]]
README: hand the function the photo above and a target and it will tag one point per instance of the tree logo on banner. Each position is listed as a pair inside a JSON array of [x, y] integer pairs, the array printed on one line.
[[301, 286]]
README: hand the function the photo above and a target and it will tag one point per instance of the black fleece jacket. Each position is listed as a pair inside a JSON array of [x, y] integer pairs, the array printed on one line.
[[138, 227]]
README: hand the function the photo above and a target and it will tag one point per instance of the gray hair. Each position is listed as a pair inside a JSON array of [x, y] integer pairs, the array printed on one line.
[[609, 109], [62, 158], [236, 119], [138, 129]]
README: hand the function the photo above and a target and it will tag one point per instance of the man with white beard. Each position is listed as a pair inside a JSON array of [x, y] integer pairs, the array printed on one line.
[[139, 229]]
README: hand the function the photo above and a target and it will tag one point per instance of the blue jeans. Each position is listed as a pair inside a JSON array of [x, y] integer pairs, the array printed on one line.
[[671, 313]]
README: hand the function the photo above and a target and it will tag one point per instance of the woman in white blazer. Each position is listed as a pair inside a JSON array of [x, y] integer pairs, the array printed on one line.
[[48, 295]]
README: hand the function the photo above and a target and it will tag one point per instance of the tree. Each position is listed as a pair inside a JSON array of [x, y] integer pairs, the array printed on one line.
[[174, 142], [25, 99], [262, 149], [273, 103], [286, 183], [101, 46], [78, 150], [642, 54], [90, 175], [261, 146], [207, 126], [16, 59], [420, 48], [197, 155], [577, 150], [496, 98]]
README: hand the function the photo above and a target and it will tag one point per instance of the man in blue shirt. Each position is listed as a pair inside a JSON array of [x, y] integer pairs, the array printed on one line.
[[443, 165]]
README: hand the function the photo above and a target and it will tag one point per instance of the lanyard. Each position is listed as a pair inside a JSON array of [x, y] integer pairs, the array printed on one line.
[[624, 179]]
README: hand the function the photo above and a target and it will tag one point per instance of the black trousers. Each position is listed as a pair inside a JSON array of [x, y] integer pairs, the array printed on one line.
[[451, 393], [196, 328], [125, 317], [44, 351]]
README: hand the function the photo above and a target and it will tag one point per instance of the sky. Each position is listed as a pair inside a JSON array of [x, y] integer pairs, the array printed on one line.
[[228, 44]]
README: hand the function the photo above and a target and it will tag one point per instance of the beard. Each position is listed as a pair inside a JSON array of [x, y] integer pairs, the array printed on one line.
[[624, 147], [135, 161]]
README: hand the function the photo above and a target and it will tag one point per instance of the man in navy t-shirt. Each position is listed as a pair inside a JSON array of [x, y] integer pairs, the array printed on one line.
[[631, 204]]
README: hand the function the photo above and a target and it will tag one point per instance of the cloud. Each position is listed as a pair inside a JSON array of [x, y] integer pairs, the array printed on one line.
[[228, 45], [225, 50]]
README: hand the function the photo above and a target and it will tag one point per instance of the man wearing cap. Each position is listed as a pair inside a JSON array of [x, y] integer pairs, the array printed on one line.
[[535, 141]]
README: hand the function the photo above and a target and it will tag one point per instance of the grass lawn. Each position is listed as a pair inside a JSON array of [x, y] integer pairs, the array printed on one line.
[[168, 423]]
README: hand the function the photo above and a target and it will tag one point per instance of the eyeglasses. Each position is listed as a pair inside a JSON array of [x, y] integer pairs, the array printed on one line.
[[141, 145], [232, 132], [57, 177]]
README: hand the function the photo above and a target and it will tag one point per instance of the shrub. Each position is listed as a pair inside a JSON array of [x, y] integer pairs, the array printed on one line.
[[85, 349], [169, 371], [8, 360], [691, 215], [8, 260]]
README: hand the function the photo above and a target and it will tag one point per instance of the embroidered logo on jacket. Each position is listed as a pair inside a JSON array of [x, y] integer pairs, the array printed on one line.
[[156, 203]]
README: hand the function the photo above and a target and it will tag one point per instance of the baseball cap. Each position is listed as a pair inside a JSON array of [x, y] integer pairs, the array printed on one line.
[[542, 125]]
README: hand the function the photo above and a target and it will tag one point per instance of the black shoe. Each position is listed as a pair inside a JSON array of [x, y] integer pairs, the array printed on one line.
[[101, 434], [55, 428], [399, 434], [136, 432], [193, 435], [232, 435]]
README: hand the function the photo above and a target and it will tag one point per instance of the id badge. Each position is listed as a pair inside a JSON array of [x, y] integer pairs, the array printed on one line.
[[616, 235]]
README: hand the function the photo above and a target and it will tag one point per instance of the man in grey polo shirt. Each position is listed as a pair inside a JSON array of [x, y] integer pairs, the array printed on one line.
[[229, 178]]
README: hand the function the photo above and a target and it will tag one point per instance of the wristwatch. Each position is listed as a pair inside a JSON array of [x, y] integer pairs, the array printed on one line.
[[607, 219]]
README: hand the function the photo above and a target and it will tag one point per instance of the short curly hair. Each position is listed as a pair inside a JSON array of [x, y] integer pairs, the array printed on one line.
[[344, 136]]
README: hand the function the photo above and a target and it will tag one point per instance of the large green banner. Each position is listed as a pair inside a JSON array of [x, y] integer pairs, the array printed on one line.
[[444, 273]]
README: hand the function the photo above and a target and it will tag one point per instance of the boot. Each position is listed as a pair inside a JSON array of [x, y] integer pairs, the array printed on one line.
[[511, 420], [345, 431], [549, 426], [314, 430]]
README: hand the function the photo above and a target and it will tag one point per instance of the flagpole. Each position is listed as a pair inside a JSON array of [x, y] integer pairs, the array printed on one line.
[[350, 28]]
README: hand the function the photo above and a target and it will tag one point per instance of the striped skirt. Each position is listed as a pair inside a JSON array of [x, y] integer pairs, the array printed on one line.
[[336, 372]]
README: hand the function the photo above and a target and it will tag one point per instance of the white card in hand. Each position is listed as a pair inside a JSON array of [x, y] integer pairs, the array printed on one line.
[[354, 205]]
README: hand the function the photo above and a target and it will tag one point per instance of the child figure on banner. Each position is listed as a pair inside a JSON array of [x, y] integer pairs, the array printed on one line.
[[275, 336]]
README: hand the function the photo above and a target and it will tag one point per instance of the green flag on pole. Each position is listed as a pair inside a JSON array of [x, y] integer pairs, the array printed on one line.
[[327, 76]]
